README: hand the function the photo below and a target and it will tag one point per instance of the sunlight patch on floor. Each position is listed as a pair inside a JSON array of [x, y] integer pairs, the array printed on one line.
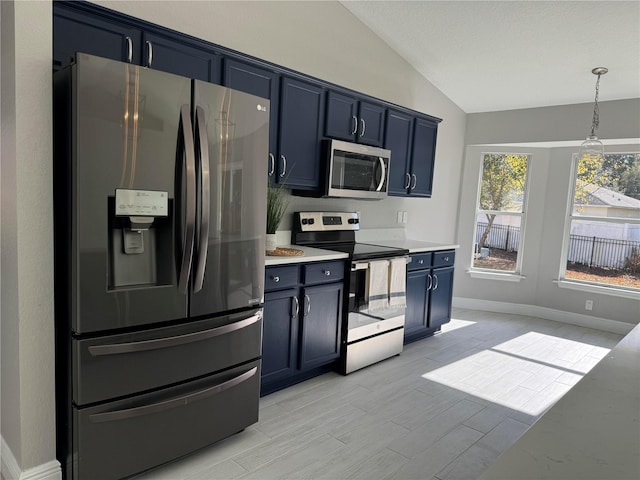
[[528, 373]]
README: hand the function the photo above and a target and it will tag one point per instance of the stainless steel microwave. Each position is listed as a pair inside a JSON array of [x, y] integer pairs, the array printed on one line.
[[356, 171]]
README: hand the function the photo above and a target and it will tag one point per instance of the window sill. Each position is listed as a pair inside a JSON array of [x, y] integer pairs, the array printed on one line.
[[505, 277], [601, 289]]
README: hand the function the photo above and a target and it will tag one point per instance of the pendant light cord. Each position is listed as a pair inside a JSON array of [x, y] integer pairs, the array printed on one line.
[[596, 110]]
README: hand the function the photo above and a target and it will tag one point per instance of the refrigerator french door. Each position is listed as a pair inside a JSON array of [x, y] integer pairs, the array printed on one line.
[[160, 221]]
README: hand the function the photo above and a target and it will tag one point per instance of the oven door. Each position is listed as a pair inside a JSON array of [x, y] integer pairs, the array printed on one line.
[[357, 171], [372, 335]]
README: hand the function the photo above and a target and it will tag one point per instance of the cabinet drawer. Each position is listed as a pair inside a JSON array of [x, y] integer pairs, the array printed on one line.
[[443, 259], [125, 364], [281, 277], [419, 261], [323, 272], [147, 430]]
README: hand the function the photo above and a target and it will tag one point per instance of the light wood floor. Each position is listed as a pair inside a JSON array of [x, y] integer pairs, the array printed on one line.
[[444, 409]]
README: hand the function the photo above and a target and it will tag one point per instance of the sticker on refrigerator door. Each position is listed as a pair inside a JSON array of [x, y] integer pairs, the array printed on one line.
[[149, 203]]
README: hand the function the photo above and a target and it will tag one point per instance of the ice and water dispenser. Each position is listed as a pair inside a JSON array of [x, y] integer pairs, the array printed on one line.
[[141, 240]]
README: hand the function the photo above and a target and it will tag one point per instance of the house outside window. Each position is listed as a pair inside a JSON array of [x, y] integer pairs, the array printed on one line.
[[602, 233], [500, 213]]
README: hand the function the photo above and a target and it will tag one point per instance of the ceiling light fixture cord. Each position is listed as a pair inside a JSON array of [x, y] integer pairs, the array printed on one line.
[[596, 110]]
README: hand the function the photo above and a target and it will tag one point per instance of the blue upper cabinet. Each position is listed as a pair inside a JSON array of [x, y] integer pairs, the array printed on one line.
[[262, 83], [399, 133], [182, 58], [412, 141], [301, 119], [353, 120], [77, 31], [423, 157]]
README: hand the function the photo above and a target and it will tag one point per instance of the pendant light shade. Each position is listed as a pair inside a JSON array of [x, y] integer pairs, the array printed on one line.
[[592, 148]]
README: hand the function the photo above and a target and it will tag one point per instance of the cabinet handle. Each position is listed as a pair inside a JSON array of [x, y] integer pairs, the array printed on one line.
[[421, 261], [446, 259], [435, 281], [415, 181], [408, 181], [273, 164], [276, 279], [355, 125], [364, 127], [297, 307], [149, 54], [430, 282], [284, 165], [129, 49], [308, 300], [327, 272]]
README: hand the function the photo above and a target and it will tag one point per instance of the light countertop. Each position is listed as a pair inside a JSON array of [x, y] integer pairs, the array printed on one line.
[[415, 246], [593, 432], [310, 255]]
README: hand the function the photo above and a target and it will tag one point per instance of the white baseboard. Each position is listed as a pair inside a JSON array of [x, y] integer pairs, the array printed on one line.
[[11, 470], [588, 321]]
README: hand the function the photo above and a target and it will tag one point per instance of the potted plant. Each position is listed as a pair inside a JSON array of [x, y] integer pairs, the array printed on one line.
[[277, 203]]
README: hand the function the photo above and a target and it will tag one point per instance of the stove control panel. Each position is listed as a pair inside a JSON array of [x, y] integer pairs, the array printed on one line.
[[326, 221]]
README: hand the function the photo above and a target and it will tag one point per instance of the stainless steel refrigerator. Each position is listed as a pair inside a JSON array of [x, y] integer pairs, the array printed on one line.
[[160, 198]]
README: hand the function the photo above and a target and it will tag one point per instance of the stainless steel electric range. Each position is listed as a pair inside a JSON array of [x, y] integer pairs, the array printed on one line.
[[375, 307]]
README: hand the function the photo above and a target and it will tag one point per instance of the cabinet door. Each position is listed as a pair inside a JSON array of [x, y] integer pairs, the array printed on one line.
[[342, 120], [321, 320], [423, 157], [279, 334], [301, 117], [262, 83], [371, 124], [441, 293], [398, 139], [180, 57], [417, 297], [77, 31]]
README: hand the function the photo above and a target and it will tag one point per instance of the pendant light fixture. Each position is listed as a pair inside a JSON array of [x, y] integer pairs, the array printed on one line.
[[592, 148]]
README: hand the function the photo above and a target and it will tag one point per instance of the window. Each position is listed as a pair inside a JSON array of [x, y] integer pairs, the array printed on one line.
[[500, 213], [602, 240]]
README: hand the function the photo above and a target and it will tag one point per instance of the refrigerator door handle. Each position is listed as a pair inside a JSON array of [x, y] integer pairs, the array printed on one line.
[[172, 403], [189, 229], [175, 341], [205, 198]]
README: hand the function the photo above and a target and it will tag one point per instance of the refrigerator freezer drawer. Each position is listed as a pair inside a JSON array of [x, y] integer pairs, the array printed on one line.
[[118, 365], [121, 438]]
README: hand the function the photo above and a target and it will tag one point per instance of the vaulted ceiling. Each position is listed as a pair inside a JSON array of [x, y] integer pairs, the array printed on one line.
[[504, 55]]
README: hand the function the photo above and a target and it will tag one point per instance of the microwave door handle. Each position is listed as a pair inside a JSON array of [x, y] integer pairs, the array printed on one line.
[[383, 175], [205, 199], [190, 197]]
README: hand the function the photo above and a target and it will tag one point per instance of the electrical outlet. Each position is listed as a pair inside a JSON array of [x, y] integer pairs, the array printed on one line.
[[588, 305], [399, 217], [405, 217]]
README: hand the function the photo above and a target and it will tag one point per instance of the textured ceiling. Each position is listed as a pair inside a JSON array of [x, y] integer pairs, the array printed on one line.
[[504, 55]]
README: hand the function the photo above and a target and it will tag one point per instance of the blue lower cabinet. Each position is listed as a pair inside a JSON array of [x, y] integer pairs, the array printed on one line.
[[302, 323], [429, 294]]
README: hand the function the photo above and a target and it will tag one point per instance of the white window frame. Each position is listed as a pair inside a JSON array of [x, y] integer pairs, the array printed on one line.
[[488, 273], [582, 285]]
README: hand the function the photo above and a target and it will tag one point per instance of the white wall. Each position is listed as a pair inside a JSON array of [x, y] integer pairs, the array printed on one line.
[[296, 35], [27, 234], [548, 198], [292, 34]]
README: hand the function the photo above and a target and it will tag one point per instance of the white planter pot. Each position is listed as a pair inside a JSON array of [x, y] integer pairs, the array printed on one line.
[[270, 244]]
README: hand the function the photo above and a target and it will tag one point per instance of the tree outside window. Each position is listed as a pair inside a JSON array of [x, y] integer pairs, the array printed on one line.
[[500, 212]]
